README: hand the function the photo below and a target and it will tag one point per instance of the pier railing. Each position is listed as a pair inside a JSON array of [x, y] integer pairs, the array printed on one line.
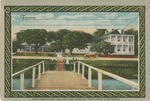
[[39, 65], [100, 72]]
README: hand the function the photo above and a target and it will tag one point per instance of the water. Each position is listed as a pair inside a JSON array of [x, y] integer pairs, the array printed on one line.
[[108, 84], [111, 84], [16, 83]]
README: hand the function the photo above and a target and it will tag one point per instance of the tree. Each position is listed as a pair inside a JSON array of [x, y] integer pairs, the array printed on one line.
[[56, 46], [103, 47], [74, 39], [135, 33], [35, 37], [17, 45], [99, 45], [99, 35], [51, 35]]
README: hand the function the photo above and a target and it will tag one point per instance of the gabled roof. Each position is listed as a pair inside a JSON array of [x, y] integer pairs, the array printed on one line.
[[114, 32]]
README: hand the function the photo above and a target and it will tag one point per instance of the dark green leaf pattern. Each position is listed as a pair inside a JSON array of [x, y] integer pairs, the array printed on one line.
[[73, 94]]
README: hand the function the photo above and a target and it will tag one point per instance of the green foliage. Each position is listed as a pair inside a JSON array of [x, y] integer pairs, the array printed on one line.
[[17, 45], [59, 35], [51, 35], [135, 33], [20, 64], [126, 69], [99, 35], [103, 47], [57, 46], [36, 37], [75, 39], [99, 45]]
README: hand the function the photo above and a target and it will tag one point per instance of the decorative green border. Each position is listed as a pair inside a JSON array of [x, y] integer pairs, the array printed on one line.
[[73, 94]]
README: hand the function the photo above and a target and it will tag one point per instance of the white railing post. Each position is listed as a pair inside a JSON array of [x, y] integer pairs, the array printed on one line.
[[74, 67], [89, 77], [39, 72], [78, 67], [83, 71], [22, 81], [99, 81], [43, 67], [33, 76]]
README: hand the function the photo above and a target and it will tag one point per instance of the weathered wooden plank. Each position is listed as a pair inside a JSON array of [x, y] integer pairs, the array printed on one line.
[[61, 80]]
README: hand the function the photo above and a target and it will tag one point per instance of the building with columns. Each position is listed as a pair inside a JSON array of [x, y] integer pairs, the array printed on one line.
[[30, 48], [123, 43]]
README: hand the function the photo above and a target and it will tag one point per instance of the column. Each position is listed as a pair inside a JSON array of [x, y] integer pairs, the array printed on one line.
[[99, 81], [42, 48], [128, 44], [89, 77], [43, 67], [22, 81], [74, 67], [116, 48], [39, 72], [78, 67], [30, 48], [133, 45], [83, 71], [33, 76], [116, 44]]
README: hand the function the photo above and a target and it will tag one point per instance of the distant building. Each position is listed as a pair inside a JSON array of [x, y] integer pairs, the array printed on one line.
[[79, 51], [30, 48], [123, 43]]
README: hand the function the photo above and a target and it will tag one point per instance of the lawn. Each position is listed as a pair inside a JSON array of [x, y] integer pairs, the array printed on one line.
[[30, 54], [126, 69], [20, 64]]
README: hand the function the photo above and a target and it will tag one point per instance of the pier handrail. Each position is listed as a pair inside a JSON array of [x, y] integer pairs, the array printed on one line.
[[100, 72], [26, 69], [33, 67]]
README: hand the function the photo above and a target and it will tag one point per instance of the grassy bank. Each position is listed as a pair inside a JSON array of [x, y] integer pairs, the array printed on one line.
[[30, 54], [126, 69], [20, 64]]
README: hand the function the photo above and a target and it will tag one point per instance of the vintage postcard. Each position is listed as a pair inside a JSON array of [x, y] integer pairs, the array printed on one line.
[[74, 52]]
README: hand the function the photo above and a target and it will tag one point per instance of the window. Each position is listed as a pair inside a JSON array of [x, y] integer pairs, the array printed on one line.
[[118, 49], [130, 38], [124, 49]]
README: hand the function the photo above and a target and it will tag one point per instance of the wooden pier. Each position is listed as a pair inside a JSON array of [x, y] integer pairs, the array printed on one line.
[[61, 80]]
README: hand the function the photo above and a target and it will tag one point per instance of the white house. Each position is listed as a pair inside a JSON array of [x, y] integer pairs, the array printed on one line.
[[30, 48], [123, 43], [79, 51]]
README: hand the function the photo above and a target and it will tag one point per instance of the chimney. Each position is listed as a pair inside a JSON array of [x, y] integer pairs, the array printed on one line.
[[122, 31], [106, 32]]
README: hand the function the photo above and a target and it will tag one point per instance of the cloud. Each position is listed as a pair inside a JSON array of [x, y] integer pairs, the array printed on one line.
[[73, 20], [74, 16], [111, 16]]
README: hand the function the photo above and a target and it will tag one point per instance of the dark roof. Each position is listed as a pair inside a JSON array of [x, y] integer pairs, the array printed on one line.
[[114, 32]]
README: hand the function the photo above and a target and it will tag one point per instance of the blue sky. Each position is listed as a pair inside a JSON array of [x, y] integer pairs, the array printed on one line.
[[86, 21]]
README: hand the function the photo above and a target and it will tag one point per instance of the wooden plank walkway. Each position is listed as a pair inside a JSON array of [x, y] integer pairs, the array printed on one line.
[[61, 80], [60, 64]]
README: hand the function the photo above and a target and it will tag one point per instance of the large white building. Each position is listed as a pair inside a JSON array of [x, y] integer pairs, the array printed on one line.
[[123, 43]]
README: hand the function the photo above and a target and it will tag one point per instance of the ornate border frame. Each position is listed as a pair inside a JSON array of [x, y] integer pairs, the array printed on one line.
[[73, 94]]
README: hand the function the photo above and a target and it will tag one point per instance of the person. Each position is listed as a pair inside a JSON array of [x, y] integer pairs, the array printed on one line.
[[67, 60]]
